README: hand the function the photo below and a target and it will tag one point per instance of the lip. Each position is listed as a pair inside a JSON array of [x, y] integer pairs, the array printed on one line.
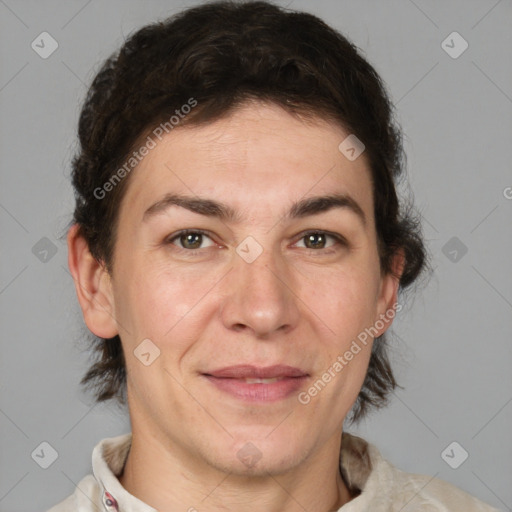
[[286, 380], [247, 371]]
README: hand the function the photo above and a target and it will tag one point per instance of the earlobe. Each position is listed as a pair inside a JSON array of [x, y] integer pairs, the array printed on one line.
[[92, 285], [388, 296]]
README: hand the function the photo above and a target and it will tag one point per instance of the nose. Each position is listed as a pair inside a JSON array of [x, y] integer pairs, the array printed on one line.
[[260, 296]]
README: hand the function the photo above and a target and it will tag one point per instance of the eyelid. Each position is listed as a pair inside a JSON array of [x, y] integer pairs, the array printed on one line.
[[339, 239], [187, 231]]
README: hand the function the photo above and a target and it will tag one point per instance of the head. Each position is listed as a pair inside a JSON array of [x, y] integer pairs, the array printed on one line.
[[229, 120]]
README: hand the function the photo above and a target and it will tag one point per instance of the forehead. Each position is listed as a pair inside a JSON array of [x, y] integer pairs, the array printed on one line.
[[259, 158]]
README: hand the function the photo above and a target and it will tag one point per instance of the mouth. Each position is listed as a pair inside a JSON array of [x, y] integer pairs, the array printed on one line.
[[258, 384]]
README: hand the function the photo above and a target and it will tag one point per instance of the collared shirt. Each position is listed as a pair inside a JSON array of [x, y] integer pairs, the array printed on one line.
[[381, 486]]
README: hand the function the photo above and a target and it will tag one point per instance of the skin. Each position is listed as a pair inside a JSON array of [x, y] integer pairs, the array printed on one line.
[[296, 304]]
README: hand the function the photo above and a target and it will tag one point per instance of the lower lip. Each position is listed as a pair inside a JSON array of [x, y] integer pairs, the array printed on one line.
[[258, 392]]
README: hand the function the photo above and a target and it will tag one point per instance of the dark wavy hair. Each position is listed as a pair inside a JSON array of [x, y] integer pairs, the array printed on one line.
[[224, 54]]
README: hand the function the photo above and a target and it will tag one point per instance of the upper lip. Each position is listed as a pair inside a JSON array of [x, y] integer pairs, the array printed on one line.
[[245, 371]]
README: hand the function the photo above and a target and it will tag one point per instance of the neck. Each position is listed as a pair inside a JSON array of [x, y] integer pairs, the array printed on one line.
[[169, 479]]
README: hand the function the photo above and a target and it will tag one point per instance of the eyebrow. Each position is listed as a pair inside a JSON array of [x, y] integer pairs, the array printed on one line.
[[224, 212]]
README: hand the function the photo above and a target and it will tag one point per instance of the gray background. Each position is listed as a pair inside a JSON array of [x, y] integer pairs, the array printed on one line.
[[452, 351]]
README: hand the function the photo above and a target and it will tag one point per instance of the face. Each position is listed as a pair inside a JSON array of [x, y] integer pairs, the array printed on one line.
[[262, 294]]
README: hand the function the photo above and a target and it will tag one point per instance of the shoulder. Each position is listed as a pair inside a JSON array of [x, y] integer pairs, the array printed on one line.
[[384, 488], [87, 497], [429, 493]]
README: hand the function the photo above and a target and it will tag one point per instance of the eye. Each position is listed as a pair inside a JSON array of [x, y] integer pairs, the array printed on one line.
[[190, 240], [193, 240], [317, 240]]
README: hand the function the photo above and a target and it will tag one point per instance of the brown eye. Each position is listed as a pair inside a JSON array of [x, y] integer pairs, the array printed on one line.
[[319, 240], [191, 240], [315, 240]]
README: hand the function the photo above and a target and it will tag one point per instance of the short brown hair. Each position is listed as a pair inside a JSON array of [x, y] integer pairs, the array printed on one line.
[[222, 54]]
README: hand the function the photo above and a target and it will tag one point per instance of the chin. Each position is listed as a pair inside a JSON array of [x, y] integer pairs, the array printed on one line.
[[256, 464], [258, 455]]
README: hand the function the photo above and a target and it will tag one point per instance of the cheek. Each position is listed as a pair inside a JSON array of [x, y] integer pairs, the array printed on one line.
[[160, 305], [156, 300], [344, 299]]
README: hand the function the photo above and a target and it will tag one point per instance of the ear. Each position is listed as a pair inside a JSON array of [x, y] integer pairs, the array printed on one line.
[[93, 286], [387, 303]]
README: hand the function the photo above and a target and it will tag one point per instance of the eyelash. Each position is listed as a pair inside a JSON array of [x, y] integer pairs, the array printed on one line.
[[193, 252]]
